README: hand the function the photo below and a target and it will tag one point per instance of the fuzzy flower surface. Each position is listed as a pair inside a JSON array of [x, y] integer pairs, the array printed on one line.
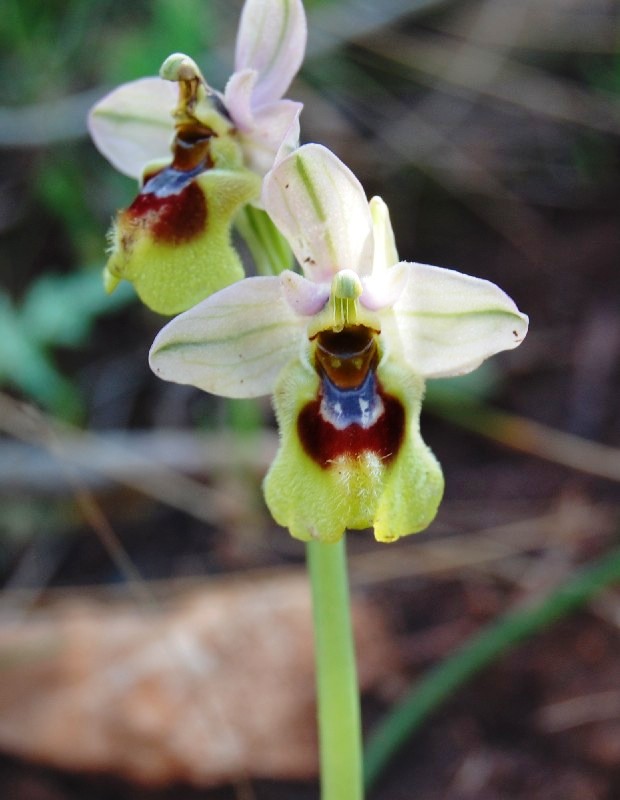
[[345, 349], [200, 156]]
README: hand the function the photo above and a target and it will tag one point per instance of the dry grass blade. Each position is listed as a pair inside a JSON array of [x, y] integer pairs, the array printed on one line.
[[581, 26], [494, 76], [577, 711], [128, 468], [536, 439], [559, 529]]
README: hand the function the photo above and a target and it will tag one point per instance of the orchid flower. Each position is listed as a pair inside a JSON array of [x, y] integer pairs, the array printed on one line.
[[173, 242], [345, 349]]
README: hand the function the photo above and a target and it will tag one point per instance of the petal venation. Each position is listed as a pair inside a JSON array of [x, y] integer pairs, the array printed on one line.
[[272, 40], [446, 323], [234, 343], [133, 124], [320, 206]]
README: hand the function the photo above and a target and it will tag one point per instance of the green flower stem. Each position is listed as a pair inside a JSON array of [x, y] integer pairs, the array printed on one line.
[[269, 249], [340, 738], [477, 653]]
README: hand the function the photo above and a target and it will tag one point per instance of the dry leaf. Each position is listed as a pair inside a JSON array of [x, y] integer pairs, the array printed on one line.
[[217, 686]]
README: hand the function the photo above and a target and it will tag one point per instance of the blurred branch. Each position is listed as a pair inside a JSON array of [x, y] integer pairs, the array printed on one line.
[[63, 119], [570, 521], [471, 68], [91, 453], [60, 120], [412, 138], [120, 453], [334, 24], [581, 26], [532, 437], [577, 711]]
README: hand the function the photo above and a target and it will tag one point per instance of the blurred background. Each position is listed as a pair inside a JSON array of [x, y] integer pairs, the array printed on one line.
[[137, 561]]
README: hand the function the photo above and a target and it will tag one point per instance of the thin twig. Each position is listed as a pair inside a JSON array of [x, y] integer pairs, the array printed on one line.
[[533, 438], [166, 486]]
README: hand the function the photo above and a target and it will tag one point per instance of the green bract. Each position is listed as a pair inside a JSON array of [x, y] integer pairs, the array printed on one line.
[[345, 349]]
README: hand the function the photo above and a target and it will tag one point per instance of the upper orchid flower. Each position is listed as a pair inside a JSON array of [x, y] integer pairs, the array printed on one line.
[[173, 242], [345, 350]]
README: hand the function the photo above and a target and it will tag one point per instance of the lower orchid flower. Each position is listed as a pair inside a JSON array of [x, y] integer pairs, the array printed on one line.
[[173, 242], [345, 349]]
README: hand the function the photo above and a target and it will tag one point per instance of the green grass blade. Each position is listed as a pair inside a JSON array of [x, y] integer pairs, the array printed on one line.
[[482, 649]]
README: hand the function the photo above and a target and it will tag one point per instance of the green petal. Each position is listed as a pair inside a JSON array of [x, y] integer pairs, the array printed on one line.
[[179, 252], [321, 503]]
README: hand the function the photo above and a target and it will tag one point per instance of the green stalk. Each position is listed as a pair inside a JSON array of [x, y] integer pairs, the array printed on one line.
[[340, 738], [479, 651], [268, 247]]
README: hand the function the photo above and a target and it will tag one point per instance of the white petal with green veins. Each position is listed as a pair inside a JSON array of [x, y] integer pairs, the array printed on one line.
[[385, 253], [275, 131], [446, 323], [238, 97], [133, 124], [320, 206], [234, 343], [272, 40]]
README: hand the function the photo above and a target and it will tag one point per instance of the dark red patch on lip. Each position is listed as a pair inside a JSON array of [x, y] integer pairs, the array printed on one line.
[[171, 206], [173, 219], [324, 443]]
